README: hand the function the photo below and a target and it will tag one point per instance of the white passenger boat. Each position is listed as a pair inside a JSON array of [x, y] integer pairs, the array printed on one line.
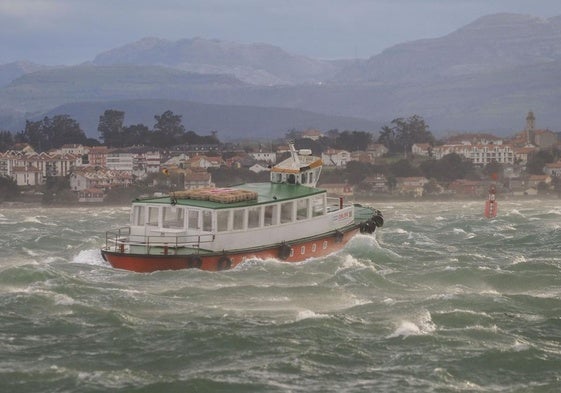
[[214, 229]]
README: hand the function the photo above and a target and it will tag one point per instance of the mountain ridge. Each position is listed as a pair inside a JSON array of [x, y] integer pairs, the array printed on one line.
[[483, 76]]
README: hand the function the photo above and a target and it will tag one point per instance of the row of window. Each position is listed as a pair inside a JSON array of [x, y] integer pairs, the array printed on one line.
[[206, 220]]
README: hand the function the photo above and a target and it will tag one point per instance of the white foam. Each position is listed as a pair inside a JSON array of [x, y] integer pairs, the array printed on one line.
[[90, 257], [422, 326], [309, 314]]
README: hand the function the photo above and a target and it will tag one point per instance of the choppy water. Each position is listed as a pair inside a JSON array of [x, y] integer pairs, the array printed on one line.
[[440, 300]]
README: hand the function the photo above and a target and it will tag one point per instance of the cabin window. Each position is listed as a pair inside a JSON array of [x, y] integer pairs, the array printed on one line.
[[318, 206], [311, 178], [207, 220], [138, 215], [239, 223], [222, 217], [270, 215], [304, 178], [193, 219], [173, 217], [291, 179], [286, 212], [254, 217], [153, 213], [302, 209]]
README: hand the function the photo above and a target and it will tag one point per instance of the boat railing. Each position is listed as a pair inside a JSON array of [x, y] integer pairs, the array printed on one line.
[[334, 204], [120, 240]]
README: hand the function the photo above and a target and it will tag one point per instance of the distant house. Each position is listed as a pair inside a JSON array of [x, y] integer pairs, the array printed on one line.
[[27, 175], [469, 187], [545, 138], [91, 195], [97, 156], [266, 156], [521, 154], [535, 180], [197, 179], [312, 134], [421, 149], [377, 183], [334, 157], [120, 161], [258, 168], [204, 162], [377, 149], [553, 169], [411, 185], [99, 178]]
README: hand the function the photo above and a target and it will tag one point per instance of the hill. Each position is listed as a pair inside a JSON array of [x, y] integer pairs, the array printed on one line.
[[258, 64], [484, 76], [231, 121]]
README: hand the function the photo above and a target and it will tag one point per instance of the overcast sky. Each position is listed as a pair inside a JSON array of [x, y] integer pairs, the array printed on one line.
[[74, 31]]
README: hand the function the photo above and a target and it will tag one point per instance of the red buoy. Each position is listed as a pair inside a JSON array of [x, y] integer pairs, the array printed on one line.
[[491, 205]]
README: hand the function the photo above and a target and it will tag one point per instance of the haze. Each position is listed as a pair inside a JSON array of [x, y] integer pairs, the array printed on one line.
[[74, 31]]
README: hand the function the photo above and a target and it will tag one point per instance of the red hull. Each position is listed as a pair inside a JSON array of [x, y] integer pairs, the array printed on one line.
[[296, 252]]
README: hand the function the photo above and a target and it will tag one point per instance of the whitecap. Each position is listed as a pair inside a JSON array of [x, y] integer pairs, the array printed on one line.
[[29, 252], [350, 262], [90, 257], [424, 325], [32, 219], [64, 300], [309, 314], [518, 259]]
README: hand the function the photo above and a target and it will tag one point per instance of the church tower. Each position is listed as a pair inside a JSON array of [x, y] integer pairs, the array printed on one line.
[[530, 128]]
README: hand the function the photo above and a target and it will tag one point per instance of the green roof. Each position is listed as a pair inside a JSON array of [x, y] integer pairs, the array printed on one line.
[[267, 193]]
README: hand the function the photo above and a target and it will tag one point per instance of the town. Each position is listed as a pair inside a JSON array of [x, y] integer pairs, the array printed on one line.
[[405, 161]]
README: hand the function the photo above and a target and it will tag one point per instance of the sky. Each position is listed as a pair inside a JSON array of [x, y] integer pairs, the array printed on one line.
[[65, 32]]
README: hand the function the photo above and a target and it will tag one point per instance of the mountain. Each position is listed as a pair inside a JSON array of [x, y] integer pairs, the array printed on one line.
[[490, 43], [231, 121], [258, 64], [43, 90], [11, 71], [485, 76]]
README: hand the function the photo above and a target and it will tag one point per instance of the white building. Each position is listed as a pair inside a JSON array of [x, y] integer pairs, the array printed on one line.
[[120, 161], [334, 157]]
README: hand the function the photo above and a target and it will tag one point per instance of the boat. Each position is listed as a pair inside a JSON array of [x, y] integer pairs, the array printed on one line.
[[288, 218], [491, 204]]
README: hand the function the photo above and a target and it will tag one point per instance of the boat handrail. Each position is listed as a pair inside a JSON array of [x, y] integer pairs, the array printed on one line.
[[121, 237], [334, 204]]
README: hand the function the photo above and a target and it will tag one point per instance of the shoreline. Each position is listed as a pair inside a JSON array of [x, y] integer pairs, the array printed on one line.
[[358, 199]]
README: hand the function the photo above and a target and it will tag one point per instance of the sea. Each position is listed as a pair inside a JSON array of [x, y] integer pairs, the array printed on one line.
[[440, 299]]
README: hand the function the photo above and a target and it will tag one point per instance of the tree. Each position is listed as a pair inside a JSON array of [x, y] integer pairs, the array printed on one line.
[[493, 170], [537, 161], [65, 130], [110, 127], [52, 133], [403, 133], [451, 167], [136, 134], [404, 168], [8, 189], [353, 140], [6, 140], [168, 130]]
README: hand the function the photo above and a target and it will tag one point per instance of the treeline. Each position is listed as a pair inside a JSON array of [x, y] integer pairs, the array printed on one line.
[[51, 133], [168, 131], [398, 137]]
